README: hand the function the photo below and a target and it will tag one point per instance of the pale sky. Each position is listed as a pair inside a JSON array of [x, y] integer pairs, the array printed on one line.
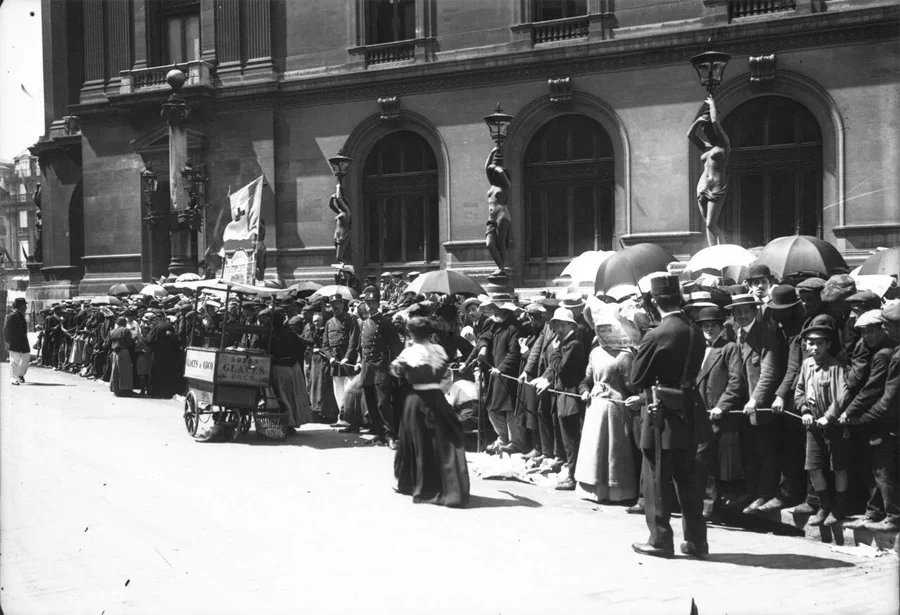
[[21, 71]]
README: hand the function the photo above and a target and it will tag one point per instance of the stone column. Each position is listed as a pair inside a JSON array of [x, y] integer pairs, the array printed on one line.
[[119, 41], [208, 29], [175, 111], [259, 40], [228, 39], [94, 57]]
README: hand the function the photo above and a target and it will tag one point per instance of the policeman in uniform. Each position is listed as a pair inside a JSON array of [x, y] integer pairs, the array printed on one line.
[[379, 344], [340, 345], [387, 287], [666, 366]]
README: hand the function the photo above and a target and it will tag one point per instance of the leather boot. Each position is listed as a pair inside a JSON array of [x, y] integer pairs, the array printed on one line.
[[838, 510], [823, 512]]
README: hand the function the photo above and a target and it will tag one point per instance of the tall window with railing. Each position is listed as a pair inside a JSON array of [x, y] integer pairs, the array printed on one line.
[[390, 21], [178, 24], [548, 10]]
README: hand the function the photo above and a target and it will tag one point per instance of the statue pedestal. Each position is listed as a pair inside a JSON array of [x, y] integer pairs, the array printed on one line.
[[499, 284]]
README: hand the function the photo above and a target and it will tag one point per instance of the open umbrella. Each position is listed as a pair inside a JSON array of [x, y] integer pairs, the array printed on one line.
[[446, 282], [800, 253], [729, 260], [883, 262], [335, 289], [876, 283], [188, 277], [122, 290], [303, 289], [629, 265], [583, 268], [155, 290], [273, 284], [105, 300]]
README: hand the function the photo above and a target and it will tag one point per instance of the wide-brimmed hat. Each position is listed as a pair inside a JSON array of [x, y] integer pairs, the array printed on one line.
[[385, 275], [783, 297], [337, 297], [471, 301], [20, 301], [535, 308], [700, 299], [343, 267], [710, 314], [563, 315], [738, 300], [872, 317], [571, 301], [823, 325]]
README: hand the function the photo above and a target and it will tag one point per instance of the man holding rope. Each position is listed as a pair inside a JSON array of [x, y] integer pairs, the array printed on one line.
[[667, 364]]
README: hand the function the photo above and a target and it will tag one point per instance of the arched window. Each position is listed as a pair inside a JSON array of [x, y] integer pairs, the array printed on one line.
[[776, 172], [400, 191], [568, 191]]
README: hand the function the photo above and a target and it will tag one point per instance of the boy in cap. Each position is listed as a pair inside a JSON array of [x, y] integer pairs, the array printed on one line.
[[818, 395], [881, 420], [15, 333], [671, 356]]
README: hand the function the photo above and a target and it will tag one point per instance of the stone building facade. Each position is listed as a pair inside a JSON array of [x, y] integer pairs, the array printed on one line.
[[18, 217], [602, 93]]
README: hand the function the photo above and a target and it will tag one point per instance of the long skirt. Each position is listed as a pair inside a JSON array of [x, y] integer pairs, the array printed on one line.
[[290, 389], [321, 390], [606, 468], [430, 464], [121, 378]]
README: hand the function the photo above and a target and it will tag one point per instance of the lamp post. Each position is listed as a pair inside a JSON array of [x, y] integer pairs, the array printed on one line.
[[710, 66], [149, 185], [498, 124], [339, 166]]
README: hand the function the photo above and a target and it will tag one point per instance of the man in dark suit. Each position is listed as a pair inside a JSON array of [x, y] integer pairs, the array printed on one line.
[[764, 355], [721, 386], [564, 373], [15, 333], [671, 356], [536, 364], [379, 344]]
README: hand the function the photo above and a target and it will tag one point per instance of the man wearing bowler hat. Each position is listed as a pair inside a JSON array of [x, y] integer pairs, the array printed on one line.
[[379, 344], [759, 282], [721, 386], [764, 353], [666, 366], [15, 332], [340, 344]]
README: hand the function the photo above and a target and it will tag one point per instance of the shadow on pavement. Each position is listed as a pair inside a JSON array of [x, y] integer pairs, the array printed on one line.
[[319, 439], [779, 561], [483, 501], [47, 384]]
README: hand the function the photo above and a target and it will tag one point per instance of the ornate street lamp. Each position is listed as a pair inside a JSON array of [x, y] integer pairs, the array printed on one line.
[[194, 182], [339, 165], [710, 67], [149, 184], [498, 123]]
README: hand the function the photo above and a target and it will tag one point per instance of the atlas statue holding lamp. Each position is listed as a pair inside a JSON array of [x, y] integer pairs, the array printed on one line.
[[707, 134]]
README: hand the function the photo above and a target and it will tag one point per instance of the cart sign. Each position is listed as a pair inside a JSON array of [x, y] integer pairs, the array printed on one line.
[[243, 369], [240, 267], [200, 364]]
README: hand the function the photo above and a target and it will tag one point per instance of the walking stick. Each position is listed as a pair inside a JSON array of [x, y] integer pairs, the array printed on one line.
[[657, 450], [480, 411]]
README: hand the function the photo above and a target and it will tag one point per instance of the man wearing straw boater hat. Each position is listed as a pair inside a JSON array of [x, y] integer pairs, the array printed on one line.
[[666, 366]]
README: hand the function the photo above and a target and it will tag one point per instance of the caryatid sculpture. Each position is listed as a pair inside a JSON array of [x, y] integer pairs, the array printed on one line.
[[707, 134]]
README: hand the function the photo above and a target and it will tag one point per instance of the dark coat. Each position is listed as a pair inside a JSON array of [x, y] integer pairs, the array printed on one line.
[[565, 372], [764, 354], [502, 343], [15, 332], [661, 357], [341, 341], [721, 382], [872, 390], [539, 355], [379, 345]]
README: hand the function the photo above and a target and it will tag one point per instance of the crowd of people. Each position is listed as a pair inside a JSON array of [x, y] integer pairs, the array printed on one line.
[[791, 391]]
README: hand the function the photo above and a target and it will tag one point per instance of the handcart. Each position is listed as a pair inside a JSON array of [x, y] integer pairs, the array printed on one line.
[[227, 381]]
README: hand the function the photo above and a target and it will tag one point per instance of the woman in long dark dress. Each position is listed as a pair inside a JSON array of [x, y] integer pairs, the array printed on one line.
[[430, 463], [121, 343], [167, 362]]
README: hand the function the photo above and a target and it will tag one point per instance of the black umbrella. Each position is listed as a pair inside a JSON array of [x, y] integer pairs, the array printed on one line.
[[121, 290], [883, 262], [786, 255], [627, 266]]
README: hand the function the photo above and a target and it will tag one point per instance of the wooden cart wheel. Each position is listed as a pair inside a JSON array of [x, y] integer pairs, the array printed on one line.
[[191, 414], [246, 421]]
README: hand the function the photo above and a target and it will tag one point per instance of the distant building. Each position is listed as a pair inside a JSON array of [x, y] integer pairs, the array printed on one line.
[[18, 214], [602, 93]]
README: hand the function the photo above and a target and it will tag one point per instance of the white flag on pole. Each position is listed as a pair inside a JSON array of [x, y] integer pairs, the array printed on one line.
[[245, 206]]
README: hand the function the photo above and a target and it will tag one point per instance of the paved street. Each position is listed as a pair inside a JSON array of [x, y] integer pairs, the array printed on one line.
[[109, 507]]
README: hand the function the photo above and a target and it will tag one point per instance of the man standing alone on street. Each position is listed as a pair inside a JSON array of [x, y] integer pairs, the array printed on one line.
[[15, 332], [670, 357]]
